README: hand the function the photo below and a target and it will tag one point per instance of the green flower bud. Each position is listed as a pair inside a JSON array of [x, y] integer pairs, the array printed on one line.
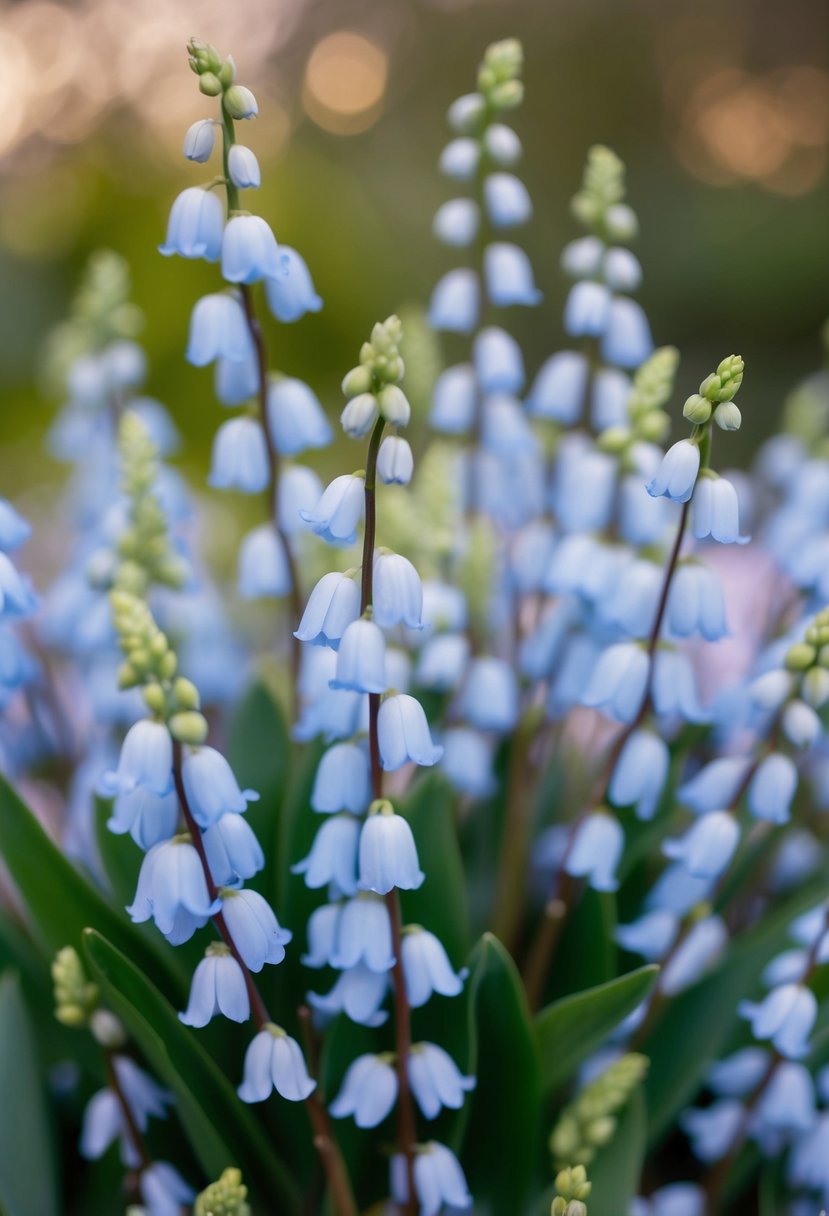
[[154, 698], [75, 997], [227, 1197], [167, 666], [615, 440], [227, 72], [507, 96], [600, 1131], [654, 426], [815, 687], [503, 60], [823, 656], [621, 223], [697, 409], [128, 677], [209, 84], [800, 656], [107, 1029], [240, 102], [185, 694], [394, 405], [357, 381], [728, 417], [189, 726]]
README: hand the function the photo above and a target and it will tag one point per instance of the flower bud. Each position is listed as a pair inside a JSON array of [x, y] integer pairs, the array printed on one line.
[[800, 657], [154, 698], [394, 405], [209, 84], [188, 727], [728, 417], [107, 1028], [359, 415], [621, 222], [654, 426], [240, 102], [507, 96], [697, 409], [357, 381], [815, 687], [614, 440], [227, 72], [466, 112], [186, 694]]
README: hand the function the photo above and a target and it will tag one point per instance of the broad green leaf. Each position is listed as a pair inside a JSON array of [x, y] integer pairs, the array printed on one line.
[[28, 1174], [571, 1028], [616, 1171], [440, 904], [120, 856], [587, 954], [221, 1129]]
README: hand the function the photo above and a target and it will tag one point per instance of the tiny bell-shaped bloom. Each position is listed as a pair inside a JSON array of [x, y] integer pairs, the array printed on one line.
[[148, 817], [299, 489], [196, 225], [621, 270], [707, 847], [199, 140], [163, 1190], [240, 102], [627, 340], [712, 1131], [696, 604], [240, 457], [394, 405], [489, 695], [359, 415], [395, 462], [509, 276], [467, 761], [243, 167], [332, 606], [455, 302], [438, 1180], [502, 144], [558, 390], [436, 1080], [218, 330], [716, 511], [582, 258], [263, 566], [146, 760], [218, 986], [343, 780], [255, 931], [291, 294], [459, 159], [359, 993], [698, 951], [233, 851], [801, 725], [333, 856], [398, 592], [403, 733], [361, 658], [618, 682], [249, 250], [340, 509], [442, 661], [640, 773], [210, 786], [652, 935], [715, 785], [786, 1018], [236, 382], [586, 310], [295, 417], [368, 1092], [172, 890], [388, 854], [499, 364], [275, 1061], [506, 199], [426, 967], [453, 400], [456, 222], [736, 1076], [596, 850], [321, 933], [677, 474], [772, 789], [363, 935]]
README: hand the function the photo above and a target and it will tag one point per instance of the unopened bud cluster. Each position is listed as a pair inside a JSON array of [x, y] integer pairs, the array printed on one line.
[[227, 1197], [76, 997], [590, 1121], [652, 387], [599, 204], [715, 398], [144, 550], [810, 660], [372, 386], [573, 1189], [217, 77]]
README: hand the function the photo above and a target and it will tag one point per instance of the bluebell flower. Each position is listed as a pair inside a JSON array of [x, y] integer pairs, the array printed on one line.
[[291, 293], [299, 489], [14, 529], [695, 603], [808, 1162], [426, 967], [436, 1080], [16, 596], [640, 773], [275, 1061], [395, 462], [146, 759], [263, 566], [498, 362], [674, 687], [321, 933], [619, 681], [772, 789], [627, 340], [609, 396], [340, 509], [359, 993], [333, 856], [621, 269], [442, 661], [172, 891], [770, 690], [196, 226], [156, 418], [332, 606], [467, 762], [582, 258], [632, 606], [361, 658], [737, 1074], [678, 890], [707, 847], [236, 382], [459, 159], [489, 695], [506, 430], [716, 511], [368, 1091], [148, 817], [249, 250], [801, 725], [579, 464], [218, 330], [255, 931], [398, 592], [652, 935], [403, 733], [438, 1180], [677, 474], [559, 388], [388, 854], [104, 1120], [363, 935], [334, 713], [359, 415], [643, 520], [506, 199], [343, 780], [540, 650], [714, 785], [587, 309], [295, 417], [199, 140], [786, 1106], [675, 1199], [454, 400], [596, 850], [444, 606], [456, 222], [218, 986], [233, 851], [502, 144], [465, 112], [240, 457], [696, 953], [163, 1190], [243, 168], [509, 276], [786, 1017], [455, 301], [713, 1131]]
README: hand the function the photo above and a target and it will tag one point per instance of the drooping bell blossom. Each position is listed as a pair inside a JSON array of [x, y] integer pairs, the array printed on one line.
[[255, 931], [459, 159], [299, 490], [196, 226], [387, 854], [442, 661], [708, 846], [696, 953], [609, 396], [296, 419], [618, 682], [675, 1199], [586, 311], [395, 462], [236, 382], [14, 529], [621, 269], [502, 145], [506, 200], [244, 168], [787, 1106], [338, 512], [509, 276], [249, 250], [403, 733], [640, 773], [786, 1017], [363, 935], [489, 695], [454, 399], [596, 850], [426, 967], [715, 785], [104, 1120], [233, 851], [455, 302], [801, 725], [240, 457], [436, 1080], [359, 993], [343, 780], [218, 986], [716, 511], [275, 1061], [172, 890], [333, 855], [467, 762], [506, 430], [146, 760], [712, 1131], [627, 340], [361, 658], [456, 222], [652, 935], [581, 259], [359, 415], [263, 566], [218, 330], [321, 934], [199, 140], [696, 604], [558, 391], [772, 789], [163, 1190], [148, 817], [499, 364], [332, 606], [368, 1091], [397, 597], [673, 687], [677, 474], [438, 1179], [291, 295]]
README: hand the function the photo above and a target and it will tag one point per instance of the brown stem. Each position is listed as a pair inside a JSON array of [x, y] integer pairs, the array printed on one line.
[[131, 1127], [324, 1139]]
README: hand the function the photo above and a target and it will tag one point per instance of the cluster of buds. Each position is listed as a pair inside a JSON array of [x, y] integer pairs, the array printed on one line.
[[599, 203], [716, 397], [217, 76], [648, 420], [145, 554], [78, 1001], [589, 1122], [227, 1197], [573, 1189], [500, 89]]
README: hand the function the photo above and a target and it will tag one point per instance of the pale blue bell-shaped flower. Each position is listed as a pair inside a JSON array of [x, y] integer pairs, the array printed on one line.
[[321, 932], [398, 592], [332, 606], [579, 464], [632, 606], [506, 429], [786, 1018], [199, 140], [444, 606], [627, 340], [509, 276], [715, 785], [233, 851], [146, 760], [395, 462], [696, 604], [708, 846], [581, 259], [456, 222], [361, 658], [343, 780], [587, 310], [291, 294], [442, 662], [808, 1163], [249, 250], [786, 1107], [240, 457], [14, 529], [196, 226], [439, 1180], [299, 489], [275, 1061], [713, 1131], [737, 1074], [621, 269], [235, 382], [103, 1122], [148, 817], [359, 415], [296, 419], [388, 854], [499, 365], [677, 890], [243, 168], [340, 509], [172, 890], [502, 144], [489, 695], [437, 1082], [359, 993], [716, 511], [455, 301], [596, 850], [506, 199], [674, 689], [618, 681], [163, 1190], [403, 733], [467, 761], [801, 725], [426, 967], [454, 400], [254, 929], [218, 330], [363, 935], [677, 474], [609, 396], [540, 650], [368, 1091], [218, 986], [652, 935], [263, 565], [772, 788], [333, 855], [16, 595], [559, 388], [459, 159], [640, 773]]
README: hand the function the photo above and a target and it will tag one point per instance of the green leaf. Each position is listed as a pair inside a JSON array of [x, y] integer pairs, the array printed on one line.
[[221, 1129], [617, 1169], [571, 1028], [440, 904], [501, 1121], [28, 1176]]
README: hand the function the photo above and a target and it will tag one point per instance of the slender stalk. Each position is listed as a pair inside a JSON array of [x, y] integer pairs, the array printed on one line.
[[131, 1128]]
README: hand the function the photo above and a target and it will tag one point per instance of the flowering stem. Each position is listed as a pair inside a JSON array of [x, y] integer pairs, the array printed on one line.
[[131, 1127]]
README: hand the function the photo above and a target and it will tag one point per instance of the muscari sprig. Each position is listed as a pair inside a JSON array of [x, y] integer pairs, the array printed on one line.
[[590, 1121], [573, 1188], [226, 1197]]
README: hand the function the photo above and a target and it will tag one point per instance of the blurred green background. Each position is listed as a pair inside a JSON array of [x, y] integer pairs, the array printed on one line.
[[720, 109]]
